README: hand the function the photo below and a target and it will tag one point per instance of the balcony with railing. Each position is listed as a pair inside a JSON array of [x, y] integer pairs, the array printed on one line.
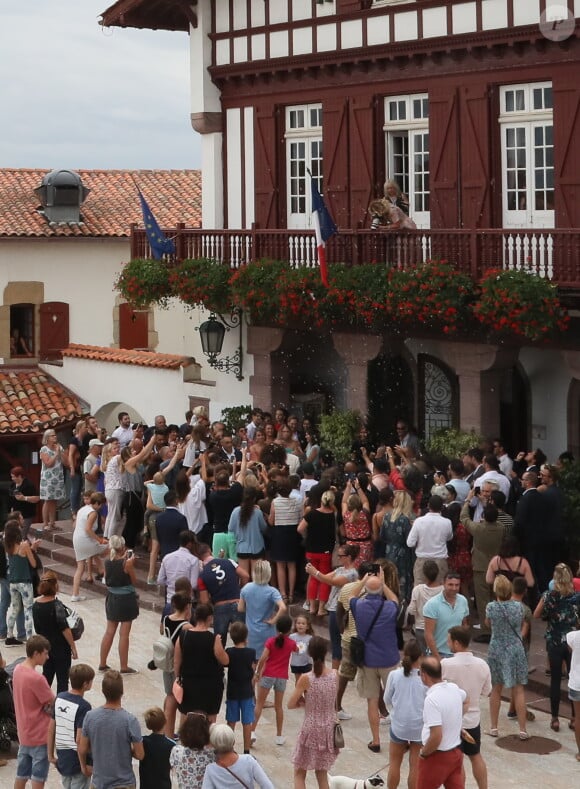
[[550, 253]]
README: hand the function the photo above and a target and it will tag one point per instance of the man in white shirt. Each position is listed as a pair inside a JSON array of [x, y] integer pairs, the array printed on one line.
[[182, 563], [472, 675], [493, 474], [506, 464], [124, 432], [441, 758], [429, 536]]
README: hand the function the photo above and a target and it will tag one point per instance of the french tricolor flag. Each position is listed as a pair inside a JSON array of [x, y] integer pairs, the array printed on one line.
[[324, 228]]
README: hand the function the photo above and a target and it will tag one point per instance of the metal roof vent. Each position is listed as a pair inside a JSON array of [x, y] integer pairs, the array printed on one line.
[[61, 194]]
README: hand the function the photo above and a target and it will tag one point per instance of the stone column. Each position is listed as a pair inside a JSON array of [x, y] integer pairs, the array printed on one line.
[[357, 350], [479, 369], [267, 386]]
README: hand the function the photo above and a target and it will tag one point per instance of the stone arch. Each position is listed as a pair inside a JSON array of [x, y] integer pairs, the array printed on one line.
[[391, 392], [106, 415]]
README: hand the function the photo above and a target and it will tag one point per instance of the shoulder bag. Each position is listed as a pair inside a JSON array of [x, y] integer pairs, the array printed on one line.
[[238, 779], [357, 645]]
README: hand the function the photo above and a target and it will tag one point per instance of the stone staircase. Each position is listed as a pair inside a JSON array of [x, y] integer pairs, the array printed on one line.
[[57, 553]]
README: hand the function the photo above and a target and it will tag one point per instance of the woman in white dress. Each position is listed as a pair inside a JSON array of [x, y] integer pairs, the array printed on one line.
[[86, 542]]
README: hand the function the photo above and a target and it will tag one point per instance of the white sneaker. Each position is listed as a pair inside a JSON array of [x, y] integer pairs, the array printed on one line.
[[280, 740], [76, 598], [385, 720], [253, 737], [306, 605], [344, 716]]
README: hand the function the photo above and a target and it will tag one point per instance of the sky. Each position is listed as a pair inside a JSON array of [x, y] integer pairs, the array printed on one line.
[[76, 95]]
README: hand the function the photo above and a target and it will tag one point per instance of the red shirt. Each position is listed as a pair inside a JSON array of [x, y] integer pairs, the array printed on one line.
[[279, 657], [31, 694]]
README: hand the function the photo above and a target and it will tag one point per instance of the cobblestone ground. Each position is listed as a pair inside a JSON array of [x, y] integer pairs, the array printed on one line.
[[558, 770]]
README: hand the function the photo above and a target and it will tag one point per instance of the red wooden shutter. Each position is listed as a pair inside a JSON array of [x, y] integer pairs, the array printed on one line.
[[266, 170], [54, 330], [335, 155], [443, 158], [475, 157], [133, 328], [567, 150], [362, 158]]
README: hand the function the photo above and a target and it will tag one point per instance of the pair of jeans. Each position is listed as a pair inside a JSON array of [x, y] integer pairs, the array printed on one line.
[[223, 616], [557, 655], [4, 606], [21, 596], [76, 486]]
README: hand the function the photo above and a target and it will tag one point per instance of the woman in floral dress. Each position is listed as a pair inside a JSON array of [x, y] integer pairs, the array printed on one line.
[[506, 655], [356, 521], [315, 749], [51, 477], [558, 606], [394, 532], [189, 759]]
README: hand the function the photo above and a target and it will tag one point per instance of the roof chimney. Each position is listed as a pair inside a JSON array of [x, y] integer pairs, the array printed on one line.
[[61, 194]]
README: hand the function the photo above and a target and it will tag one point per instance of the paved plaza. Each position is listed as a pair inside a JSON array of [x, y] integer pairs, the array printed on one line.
[[558, 770]]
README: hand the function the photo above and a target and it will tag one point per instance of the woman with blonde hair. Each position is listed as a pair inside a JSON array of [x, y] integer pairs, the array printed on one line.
[[53, 458], [121, 605], [558, 608], [262, 604], [506, 655], [393, 535], [319, 529], [356, 527]]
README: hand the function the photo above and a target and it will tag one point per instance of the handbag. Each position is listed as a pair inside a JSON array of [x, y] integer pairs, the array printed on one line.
[[74, 622], [338, 736], [177, 690], [357, 645]]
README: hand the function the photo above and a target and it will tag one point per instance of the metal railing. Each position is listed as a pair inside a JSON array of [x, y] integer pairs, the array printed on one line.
[[550, 253]]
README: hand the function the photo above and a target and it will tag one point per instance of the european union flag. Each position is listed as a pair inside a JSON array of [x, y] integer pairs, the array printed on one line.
[[158, 241]]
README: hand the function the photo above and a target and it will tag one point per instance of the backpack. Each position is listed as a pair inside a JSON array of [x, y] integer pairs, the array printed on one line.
[[164, 648]]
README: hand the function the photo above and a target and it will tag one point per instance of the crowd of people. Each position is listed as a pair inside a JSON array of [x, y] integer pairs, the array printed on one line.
[[395, 551]]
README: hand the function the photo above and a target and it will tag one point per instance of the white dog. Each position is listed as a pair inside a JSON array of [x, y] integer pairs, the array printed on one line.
[[342, 782]]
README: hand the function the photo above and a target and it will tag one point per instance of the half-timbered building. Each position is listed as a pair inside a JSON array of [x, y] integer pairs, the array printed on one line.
[[472, 106]]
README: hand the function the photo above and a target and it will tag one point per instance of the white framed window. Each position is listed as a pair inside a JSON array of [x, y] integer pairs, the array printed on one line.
[[303, 153], [527, 153], [407, 149]]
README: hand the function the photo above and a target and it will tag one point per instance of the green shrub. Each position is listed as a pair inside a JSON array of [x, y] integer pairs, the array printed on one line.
[[337, 432], [452, 442], [232, 417]]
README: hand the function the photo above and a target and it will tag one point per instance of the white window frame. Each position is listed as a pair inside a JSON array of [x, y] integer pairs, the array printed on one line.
[[303, 137], [407, 151], [527, 167]]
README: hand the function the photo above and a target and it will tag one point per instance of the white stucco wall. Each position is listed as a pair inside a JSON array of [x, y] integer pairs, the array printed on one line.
[[549, 381], [82, 273]]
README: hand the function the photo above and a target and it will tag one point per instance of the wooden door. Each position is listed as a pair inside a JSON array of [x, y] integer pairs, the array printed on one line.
[[133, 328], [54, 330]]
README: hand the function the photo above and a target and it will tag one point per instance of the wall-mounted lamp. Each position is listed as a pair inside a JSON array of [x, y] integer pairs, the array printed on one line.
[[212, 333]]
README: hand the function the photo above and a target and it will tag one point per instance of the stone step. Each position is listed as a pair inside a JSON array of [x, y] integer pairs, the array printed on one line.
[[56, 553]]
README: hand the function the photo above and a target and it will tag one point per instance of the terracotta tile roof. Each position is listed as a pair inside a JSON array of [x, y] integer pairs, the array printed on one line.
[[31, 401], [97, 353], [111, 206]]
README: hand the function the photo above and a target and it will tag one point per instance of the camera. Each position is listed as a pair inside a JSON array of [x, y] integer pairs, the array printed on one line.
[[129, 554], [375, 569]]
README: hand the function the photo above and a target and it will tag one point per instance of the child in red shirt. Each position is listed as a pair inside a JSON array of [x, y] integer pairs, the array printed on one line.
[[272, 672]]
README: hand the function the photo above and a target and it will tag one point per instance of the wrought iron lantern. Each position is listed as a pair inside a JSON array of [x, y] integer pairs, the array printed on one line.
[[212, 333]]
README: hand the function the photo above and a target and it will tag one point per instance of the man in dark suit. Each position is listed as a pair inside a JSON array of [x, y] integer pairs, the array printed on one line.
[[531, 529], [169, 525], [529, 461], [472, 460], [227, 451]]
